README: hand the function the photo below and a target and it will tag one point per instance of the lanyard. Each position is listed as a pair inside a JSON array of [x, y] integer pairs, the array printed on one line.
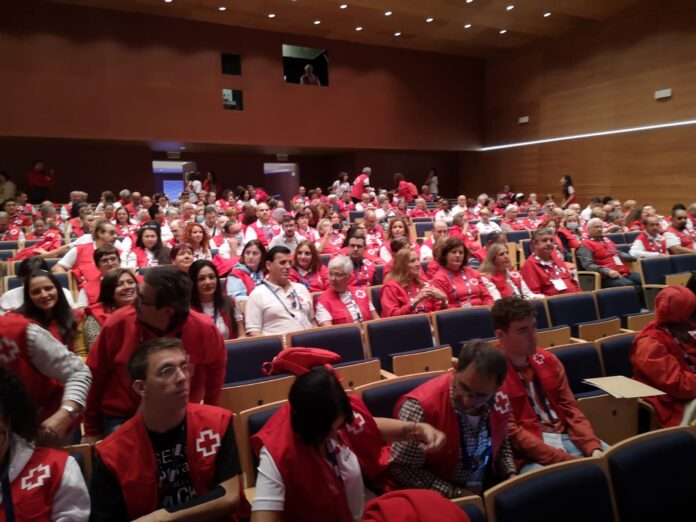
[[359, 316], [7, 499], [654, 244], [557, 271], [516, 283], [331, 457], [469, 462], [454, 287], [610, 246], [296, 301], [356, 273], [420, 307], [307, 282], [530, 388]]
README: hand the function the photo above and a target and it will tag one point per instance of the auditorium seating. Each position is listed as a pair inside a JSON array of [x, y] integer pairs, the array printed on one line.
[[457, 325], [397, 335], [381, 397], [240, 397], [374, 298], [621, 302], [615, 351], [345, 340], [245, 357], [580, 361], [472, 505], [579, 311]]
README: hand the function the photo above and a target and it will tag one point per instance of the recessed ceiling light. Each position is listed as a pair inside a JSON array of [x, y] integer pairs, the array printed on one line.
[[398, 33], [547, 14], [343, 6], [467, 26], [429, 19], [469, 1], [168, 1], [271, 15], [359, 28], [387, 13], [222, 8], [317, 22], [503, 31], [510, 7]]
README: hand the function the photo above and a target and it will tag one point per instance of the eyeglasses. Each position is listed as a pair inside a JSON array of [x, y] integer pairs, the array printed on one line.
[[462, 389], [168, 372]]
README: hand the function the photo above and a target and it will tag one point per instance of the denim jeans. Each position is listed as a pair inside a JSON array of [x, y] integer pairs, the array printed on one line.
[[570, 449]]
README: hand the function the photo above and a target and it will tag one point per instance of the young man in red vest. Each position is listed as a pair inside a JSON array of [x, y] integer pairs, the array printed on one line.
[[664, 356], [599, 254], [649, 243], [467, 406], [176, 459], [264, 228], [546, 425], [677, 236], [163, 309]]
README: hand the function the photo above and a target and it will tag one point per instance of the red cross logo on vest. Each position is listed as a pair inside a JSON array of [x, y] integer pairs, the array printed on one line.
[[207, 443], [538, 358], [8, 350], [36, 477], [360, 294], [502, 403], [358, 424]]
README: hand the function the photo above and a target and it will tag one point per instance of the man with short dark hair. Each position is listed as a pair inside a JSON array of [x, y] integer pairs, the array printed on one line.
[[546, 424], [650, 242], [467, 405], [175, 459], [264, 228], [677, 236], [289, 238], [162, 310], [363, 269]]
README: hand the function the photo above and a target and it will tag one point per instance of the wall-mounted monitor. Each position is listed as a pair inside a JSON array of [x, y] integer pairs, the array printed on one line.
[[232, 100], [305, 65]]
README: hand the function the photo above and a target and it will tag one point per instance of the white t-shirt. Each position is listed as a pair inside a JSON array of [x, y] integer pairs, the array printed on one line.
[[272, 310], [324, 316], [270, 489], [484, 228], [432, 186], [209, 310]]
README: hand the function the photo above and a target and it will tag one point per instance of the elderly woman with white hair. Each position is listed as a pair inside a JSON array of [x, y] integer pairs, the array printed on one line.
[[510, 222], [340, 303]]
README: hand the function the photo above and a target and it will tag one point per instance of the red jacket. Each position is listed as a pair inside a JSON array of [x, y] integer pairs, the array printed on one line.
[[466, 288], [396, 300], [98, 312], [653, 245], [603, 253], [45, 392], [35, 487], [407, 191], [261, 235], [313, 492], [45, 179], [339, 311], [539, 277], [84, 268], [129, 455], [49, 241], [358, 188], [525, 427], [314, 282], [13, 233], [413, 504], [111, 392], [434, 397]]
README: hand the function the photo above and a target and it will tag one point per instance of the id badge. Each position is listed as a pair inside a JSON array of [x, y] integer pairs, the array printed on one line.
[[555, 440], [617, 260], [559, 284], [466, 304]]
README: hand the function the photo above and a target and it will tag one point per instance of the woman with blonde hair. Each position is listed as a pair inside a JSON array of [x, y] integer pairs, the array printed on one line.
[[398, 227], [405, 292], [501, 281]]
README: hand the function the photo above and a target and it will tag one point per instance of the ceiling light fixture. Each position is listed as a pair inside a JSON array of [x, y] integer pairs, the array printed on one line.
[[467, 26], [359, 28], [317, 22], [469, 1], [222, 8], [429, 20], [510, 7], [271, 15], [503, 31], [547, 14], [387, 13], [398, 33], [343, 6], [168, 1]]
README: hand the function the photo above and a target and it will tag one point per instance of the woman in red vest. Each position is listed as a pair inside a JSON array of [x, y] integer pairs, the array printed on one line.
[[181, 256], [462, 285], [208, 297], [405, 292], [343, 304], [504, 282], [45, 303], [196, 236], [331, 236], [248, 273], [398, 227], [118, 289], [40, 484], [308, 269], [148, 250], [123, 224], [323, 447]]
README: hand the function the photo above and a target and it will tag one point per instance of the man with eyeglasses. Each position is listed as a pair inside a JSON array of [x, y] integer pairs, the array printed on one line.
[[278, 306], [363, 269], [175, 459], [467, 405], [163, 309], [546, 424]]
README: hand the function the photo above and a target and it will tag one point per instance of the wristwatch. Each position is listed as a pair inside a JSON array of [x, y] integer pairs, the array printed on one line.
[[73, 412]]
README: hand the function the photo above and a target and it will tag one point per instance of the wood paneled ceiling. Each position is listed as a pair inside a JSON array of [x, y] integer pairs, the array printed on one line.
[[430, 25]]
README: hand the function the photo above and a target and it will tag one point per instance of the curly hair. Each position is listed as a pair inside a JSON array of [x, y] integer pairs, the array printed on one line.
[[187, 236]]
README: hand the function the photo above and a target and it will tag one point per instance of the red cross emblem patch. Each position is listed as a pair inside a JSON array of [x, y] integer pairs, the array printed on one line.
[[36, 477], [8, 350], [360, 294], [358, 424], [538, 358], [207, 443], [502, 403]]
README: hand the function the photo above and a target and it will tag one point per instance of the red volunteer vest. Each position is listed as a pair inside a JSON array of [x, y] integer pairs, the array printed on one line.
[[45, 393], [544, 364], [35, 487], [98, 312], [434, 397], [603, 252], [245, 278], [92, 289], [653, 245], [539, 277], [514, 225], [261, 235], [314, 282], [364, 275], [140, 257], [465, 288], [84, 268], [502, 285], [129, 456], [686, 240], [12, 233], [339, 311], [358, 188], [313, 492], [49, 241]]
